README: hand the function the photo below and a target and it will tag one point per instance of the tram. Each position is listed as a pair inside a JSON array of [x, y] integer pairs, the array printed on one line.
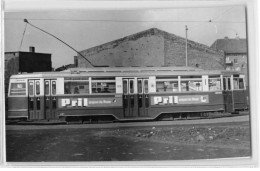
[[125, 93]]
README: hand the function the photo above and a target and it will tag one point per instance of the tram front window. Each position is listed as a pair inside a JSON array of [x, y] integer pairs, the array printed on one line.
[[238, 83], [18, 89]]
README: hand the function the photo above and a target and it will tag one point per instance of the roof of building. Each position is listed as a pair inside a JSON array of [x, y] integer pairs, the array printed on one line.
[[27, 52], [230, 45], [151, 31]]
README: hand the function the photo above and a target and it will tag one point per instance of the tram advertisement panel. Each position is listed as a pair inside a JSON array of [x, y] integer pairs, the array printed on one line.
[[90, 102], [187, 99]]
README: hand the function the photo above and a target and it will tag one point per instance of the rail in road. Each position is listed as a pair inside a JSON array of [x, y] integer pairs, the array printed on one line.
[[237, 118]]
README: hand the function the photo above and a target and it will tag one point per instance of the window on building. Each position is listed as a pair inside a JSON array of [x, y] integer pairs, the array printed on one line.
[[235, 61]]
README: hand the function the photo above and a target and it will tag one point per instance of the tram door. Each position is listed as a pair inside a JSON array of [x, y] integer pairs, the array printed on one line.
[[228, 94], [36, 104], [130, 101], [143, 97], [50, 99]]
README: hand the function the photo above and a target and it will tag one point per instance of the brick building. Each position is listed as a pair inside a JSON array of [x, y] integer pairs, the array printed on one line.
[[17, 62], [152, 47], [235, 51]]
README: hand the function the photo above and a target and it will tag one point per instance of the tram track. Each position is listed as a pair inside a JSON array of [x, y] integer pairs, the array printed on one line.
[[242, 117]]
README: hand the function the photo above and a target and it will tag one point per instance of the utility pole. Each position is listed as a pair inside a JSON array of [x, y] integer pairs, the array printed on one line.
[[186, 30]]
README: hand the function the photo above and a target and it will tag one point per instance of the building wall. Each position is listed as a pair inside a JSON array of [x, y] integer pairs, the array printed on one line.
[[144, 51], [198, 55], [153, 47], [11, 66], [16, 62], [35, 62], [237, 62]]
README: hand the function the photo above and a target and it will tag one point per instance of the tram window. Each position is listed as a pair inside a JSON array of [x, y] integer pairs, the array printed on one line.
[[241, 83], [140, 86], [145, 86], [53, 90], [238, 83], [31, 89], [18, 89], [166, 86], [131, 86], [46, 88], [125, 86], [229, 84], [184, 86], [191, 85], [103, 87], [214, 84], [37, 92], [76, 87], [224, 84]]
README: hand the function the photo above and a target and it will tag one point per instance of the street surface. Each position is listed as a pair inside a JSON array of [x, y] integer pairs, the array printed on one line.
[[138, 141]]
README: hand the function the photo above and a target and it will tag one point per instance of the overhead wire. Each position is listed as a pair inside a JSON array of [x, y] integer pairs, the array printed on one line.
[[26, 21], [130, 21]]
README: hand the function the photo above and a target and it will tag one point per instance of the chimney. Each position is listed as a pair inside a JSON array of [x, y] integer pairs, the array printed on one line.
[[32, 49], [76, 61], [237, 37], [226, 37]]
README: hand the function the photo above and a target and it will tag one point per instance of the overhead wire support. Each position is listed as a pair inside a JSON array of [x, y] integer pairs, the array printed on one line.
[[22, 37], [26, 21]]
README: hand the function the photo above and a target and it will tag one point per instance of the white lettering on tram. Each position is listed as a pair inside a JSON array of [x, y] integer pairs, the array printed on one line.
[[188, 99], [85, 102], [74, 102]]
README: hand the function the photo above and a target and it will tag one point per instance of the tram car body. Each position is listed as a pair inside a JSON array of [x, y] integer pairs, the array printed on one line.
[[131, 93]]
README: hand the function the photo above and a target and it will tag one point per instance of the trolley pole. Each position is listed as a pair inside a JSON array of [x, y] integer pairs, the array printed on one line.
[[186, 31]]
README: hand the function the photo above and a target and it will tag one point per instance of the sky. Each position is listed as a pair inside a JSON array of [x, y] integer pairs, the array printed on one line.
[[83, 29]]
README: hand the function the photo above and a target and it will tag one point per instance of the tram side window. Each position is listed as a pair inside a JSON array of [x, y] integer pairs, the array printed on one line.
[[214, 83], [166, 86], [145, 86], [238, 83], [195, 85], [131, 86], [37, 92], [31, 89], [53, 90], [103, 87], [76, 87], [224, 84], [46, 88], [17, 89], [140, 86]]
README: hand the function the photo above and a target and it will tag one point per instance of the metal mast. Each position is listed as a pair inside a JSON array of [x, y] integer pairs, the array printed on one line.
[[186, 31]]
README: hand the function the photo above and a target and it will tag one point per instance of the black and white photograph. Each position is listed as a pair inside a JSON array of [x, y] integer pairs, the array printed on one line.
[[116, 83]]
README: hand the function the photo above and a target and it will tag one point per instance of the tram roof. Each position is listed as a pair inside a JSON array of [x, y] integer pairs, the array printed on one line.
[[125, 72], [129, 69]]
